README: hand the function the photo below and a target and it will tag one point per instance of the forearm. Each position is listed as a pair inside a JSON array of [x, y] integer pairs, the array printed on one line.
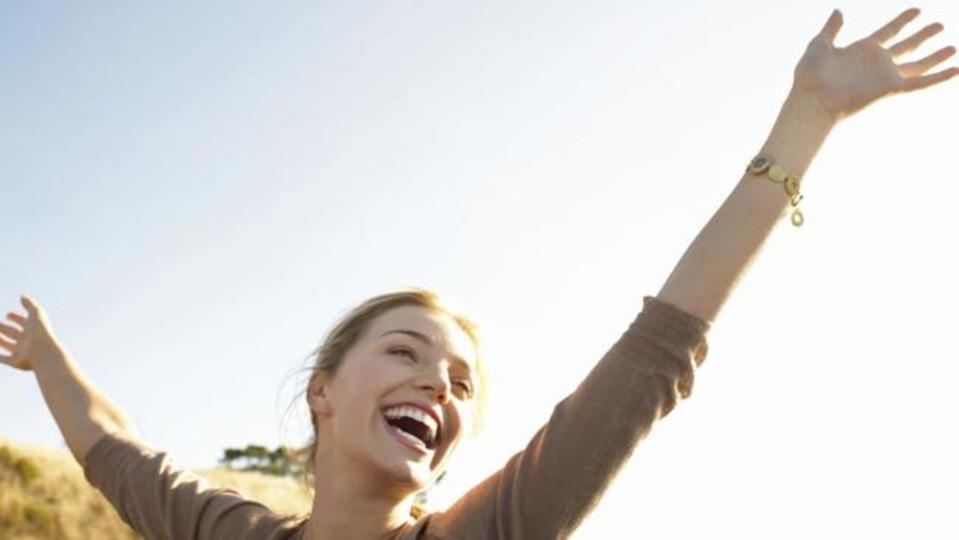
[[81, 412], [724, 250]]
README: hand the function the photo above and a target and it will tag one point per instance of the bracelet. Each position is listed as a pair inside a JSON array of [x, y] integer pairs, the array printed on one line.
[[764, 164]]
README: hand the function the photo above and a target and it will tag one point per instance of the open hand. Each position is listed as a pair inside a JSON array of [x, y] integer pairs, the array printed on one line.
[[29, 340], [844, 80]]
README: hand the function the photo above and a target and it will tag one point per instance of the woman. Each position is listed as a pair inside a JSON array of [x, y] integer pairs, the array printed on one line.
[[398, 384]]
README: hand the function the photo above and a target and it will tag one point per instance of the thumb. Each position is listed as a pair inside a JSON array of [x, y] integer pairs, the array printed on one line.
[[831, 29], [37, 314], [33, 309], [27, 303]]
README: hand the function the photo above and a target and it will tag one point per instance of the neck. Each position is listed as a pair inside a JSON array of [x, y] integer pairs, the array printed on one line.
[[351, 502]]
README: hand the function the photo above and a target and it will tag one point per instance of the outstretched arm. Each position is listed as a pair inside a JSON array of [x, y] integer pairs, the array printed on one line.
[[546, 489], [153, 495], [82, 413], [829, 84]]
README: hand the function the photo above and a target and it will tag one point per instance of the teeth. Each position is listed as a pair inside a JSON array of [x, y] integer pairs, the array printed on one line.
[[416, 414]]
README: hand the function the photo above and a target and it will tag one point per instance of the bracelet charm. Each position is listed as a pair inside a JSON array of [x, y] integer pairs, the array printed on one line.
[[764, 164]]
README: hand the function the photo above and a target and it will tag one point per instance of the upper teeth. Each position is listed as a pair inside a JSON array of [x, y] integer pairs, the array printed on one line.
[[414, 413]]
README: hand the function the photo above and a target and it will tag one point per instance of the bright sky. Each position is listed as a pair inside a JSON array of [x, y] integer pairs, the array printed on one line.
[[197, 192]]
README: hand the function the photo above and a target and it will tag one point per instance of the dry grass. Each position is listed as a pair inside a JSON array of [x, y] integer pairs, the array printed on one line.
[[43, 494], [282, 495]]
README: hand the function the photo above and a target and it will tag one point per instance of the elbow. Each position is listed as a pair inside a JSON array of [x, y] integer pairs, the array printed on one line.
[[97, 431]]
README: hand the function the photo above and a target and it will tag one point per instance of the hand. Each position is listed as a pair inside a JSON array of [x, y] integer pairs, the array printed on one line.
[[31, 340], [844, 80]]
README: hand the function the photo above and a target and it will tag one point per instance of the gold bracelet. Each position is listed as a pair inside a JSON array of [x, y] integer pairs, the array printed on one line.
[[764, 164]]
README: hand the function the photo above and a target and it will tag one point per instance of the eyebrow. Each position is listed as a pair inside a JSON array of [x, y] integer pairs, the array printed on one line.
[[425, 339]]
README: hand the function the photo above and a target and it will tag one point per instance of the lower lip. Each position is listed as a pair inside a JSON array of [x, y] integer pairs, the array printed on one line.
[[418, 449]]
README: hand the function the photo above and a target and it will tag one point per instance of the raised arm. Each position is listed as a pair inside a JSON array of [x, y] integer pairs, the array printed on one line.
[[153, 495], [829, 84], [546, 489], [82, 413]]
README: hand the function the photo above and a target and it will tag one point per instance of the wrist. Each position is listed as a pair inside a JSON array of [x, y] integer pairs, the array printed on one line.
[[799, 131], [50, 352], [807, 103]]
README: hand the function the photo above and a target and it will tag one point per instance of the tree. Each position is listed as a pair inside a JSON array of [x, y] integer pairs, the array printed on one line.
[[258, 458], [278, 462]]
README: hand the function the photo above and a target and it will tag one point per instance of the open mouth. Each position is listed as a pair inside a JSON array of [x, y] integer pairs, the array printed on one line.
[[410, 433]]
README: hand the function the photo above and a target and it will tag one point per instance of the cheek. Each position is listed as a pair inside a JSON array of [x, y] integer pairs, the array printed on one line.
[[464, 423], [374, 376], [355, 403]]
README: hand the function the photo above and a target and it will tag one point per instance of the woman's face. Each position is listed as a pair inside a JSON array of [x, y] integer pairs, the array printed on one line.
[[407, 355]]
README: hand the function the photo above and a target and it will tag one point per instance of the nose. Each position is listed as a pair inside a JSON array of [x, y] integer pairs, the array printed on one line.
[[438, 383]]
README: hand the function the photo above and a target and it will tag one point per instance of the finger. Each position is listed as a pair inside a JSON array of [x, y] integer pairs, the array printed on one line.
[[895, 26], [915, 40], [832, 26], [28, 303], [10, 331], [6, 359], [10, 361], [7, 344], [34, 309], [919, 67], [17, 318], [915, 83]]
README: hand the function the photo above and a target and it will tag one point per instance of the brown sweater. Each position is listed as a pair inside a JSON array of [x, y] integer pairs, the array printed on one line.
[[543, 491]]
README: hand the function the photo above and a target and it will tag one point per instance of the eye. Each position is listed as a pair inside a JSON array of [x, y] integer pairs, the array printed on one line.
[[404, 350], [463, 383], [466, 387]]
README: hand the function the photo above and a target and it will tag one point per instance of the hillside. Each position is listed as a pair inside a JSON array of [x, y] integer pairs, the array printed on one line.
[[43, 494]]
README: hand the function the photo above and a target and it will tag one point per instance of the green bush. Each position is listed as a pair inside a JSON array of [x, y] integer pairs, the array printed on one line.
[[7, 458], [40, 516], [27, 470], [12, 515]]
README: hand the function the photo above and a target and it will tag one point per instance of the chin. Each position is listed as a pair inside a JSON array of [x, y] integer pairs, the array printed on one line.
[[401, 470], [410, 470]]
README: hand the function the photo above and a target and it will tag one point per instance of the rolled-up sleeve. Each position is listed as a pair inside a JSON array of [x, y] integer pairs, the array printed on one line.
[[545, 490]]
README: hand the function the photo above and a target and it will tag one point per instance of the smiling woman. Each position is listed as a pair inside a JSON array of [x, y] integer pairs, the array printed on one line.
[[398, 383], [387, 340], [387, 416]]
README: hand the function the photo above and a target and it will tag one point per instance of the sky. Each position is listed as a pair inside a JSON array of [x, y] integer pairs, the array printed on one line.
[[196, 192]]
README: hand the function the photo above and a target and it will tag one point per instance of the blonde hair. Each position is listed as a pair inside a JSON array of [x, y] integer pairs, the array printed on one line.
[[328, 357]]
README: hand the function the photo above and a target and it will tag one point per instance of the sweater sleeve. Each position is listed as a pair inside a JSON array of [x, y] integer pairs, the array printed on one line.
[[545, 490], [161, 501]]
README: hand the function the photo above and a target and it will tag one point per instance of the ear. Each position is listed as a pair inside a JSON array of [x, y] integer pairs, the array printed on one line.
[[317, 396]]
